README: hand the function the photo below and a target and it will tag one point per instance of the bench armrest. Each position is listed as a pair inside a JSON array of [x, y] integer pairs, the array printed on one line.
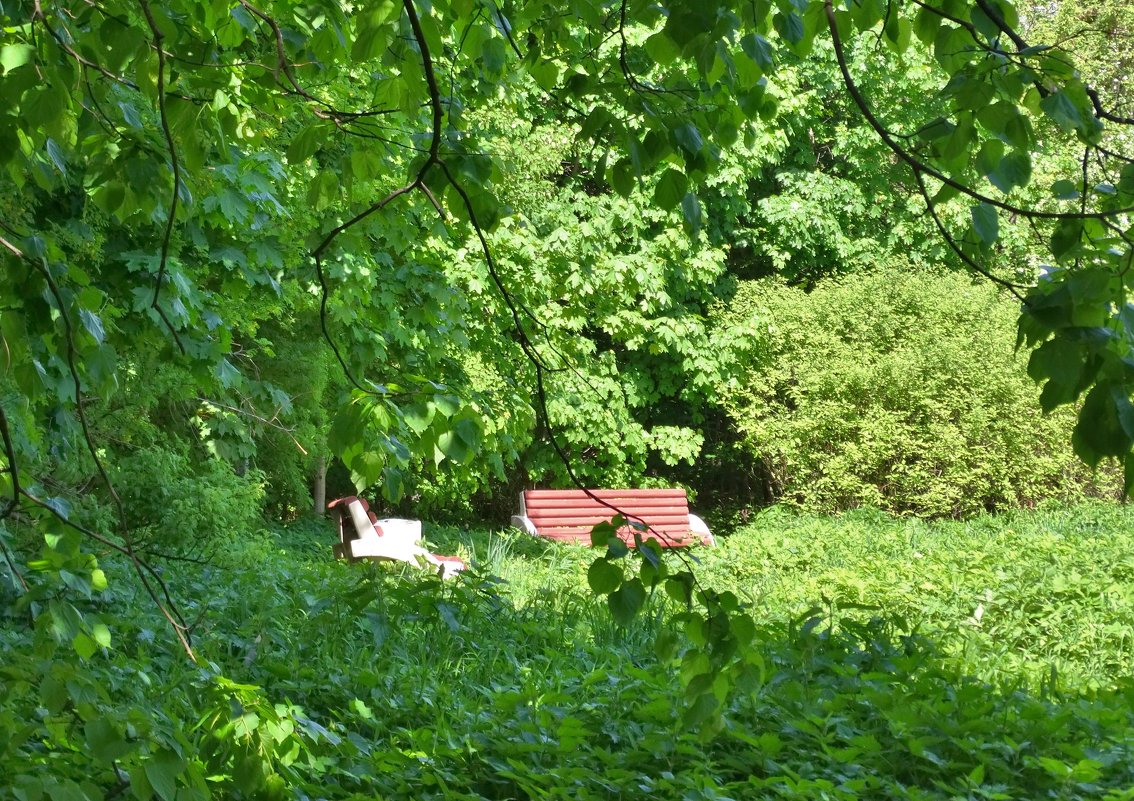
[[524, 524], [698, 527]]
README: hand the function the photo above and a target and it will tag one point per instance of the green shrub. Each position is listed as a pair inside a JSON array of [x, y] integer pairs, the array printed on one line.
[[173, 503], [900, 390]]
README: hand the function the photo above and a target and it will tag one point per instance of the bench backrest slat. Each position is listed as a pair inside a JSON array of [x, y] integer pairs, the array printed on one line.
[[571, 514]]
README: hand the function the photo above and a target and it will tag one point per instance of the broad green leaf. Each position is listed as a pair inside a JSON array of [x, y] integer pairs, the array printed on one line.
[[622, 178], [627, 601], [1065, 190], [602, 533], [989, 156], [986, 223], [93, 325], [104, 741], [759, 50], [603, 576], [393, 484], [1014, 170], [162, 770], [936, 129], [789, 26], [306, 142], [700, 711], [418, 416], [84, 646], [1059, 362], [1062, 110], [671, 188], [14, 56], [1098, 433], [454, 447], [662, 49], [1066, 238], [926, 23], [447, 405], [691, 211]]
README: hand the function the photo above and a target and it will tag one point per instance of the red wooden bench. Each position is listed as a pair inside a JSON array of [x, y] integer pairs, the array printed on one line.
[[569, 515]]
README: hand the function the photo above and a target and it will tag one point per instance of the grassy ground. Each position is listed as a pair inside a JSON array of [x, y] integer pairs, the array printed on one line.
[[1010, 597], [924, 677]]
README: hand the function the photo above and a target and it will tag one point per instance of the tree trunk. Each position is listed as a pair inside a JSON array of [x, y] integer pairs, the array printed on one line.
[[320, 487]]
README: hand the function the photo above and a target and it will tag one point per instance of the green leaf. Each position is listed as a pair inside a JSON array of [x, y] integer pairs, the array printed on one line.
[[104, 741], [1059, 361], [418, 416], [470, 431], [759, 49], [1098, 432], [450, 444], [393, 484], [306, 142], [14, 56], [627, 601], [93, 325], [1012, 171], [789, 26], [162, 770], [1066, 238], [936, 129], [447, 405], [688, 138], [986, 223], [603, 576], [601, 533], [1065, 190], [926, 23], [701, 710], [1062, 111], [989, 156], [662, 49], [372, 34], [1004, 120], [691, 210], [1124, 409], [495, 55], [622, 178], [84, 646], [671, 188]]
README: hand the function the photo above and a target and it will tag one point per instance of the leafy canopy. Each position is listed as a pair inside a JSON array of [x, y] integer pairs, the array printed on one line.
[[176, 173]]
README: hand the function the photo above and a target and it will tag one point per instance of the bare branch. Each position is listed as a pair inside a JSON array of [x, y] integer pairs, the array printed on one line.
[[171, 216]]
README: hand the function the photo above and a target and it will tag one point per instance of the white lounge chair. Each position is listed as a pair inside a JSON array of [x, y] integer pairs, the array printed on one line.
[[367, 537]]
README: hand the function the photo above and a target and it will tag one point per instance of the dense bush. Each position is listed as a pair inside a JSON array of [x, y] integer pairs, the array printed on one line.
[[900, 390], [173, 502]]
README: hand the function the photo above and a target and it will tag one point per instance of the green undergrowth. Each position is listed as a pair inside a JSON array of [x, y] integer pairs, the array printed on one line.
[[318, 679]]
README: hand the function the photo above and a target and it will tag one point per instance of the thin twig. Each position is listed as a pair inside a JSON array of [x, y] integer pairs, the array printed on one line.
[[158, 39]]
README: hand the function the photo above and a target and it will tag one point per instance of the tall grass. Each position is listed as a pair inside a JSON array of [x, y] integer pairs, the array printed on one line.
[[319, 679]]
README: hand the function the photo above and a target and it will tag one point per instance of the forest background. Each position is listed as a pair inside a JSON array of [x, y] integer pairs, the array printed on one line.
[[833, 255], [760, 310]]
